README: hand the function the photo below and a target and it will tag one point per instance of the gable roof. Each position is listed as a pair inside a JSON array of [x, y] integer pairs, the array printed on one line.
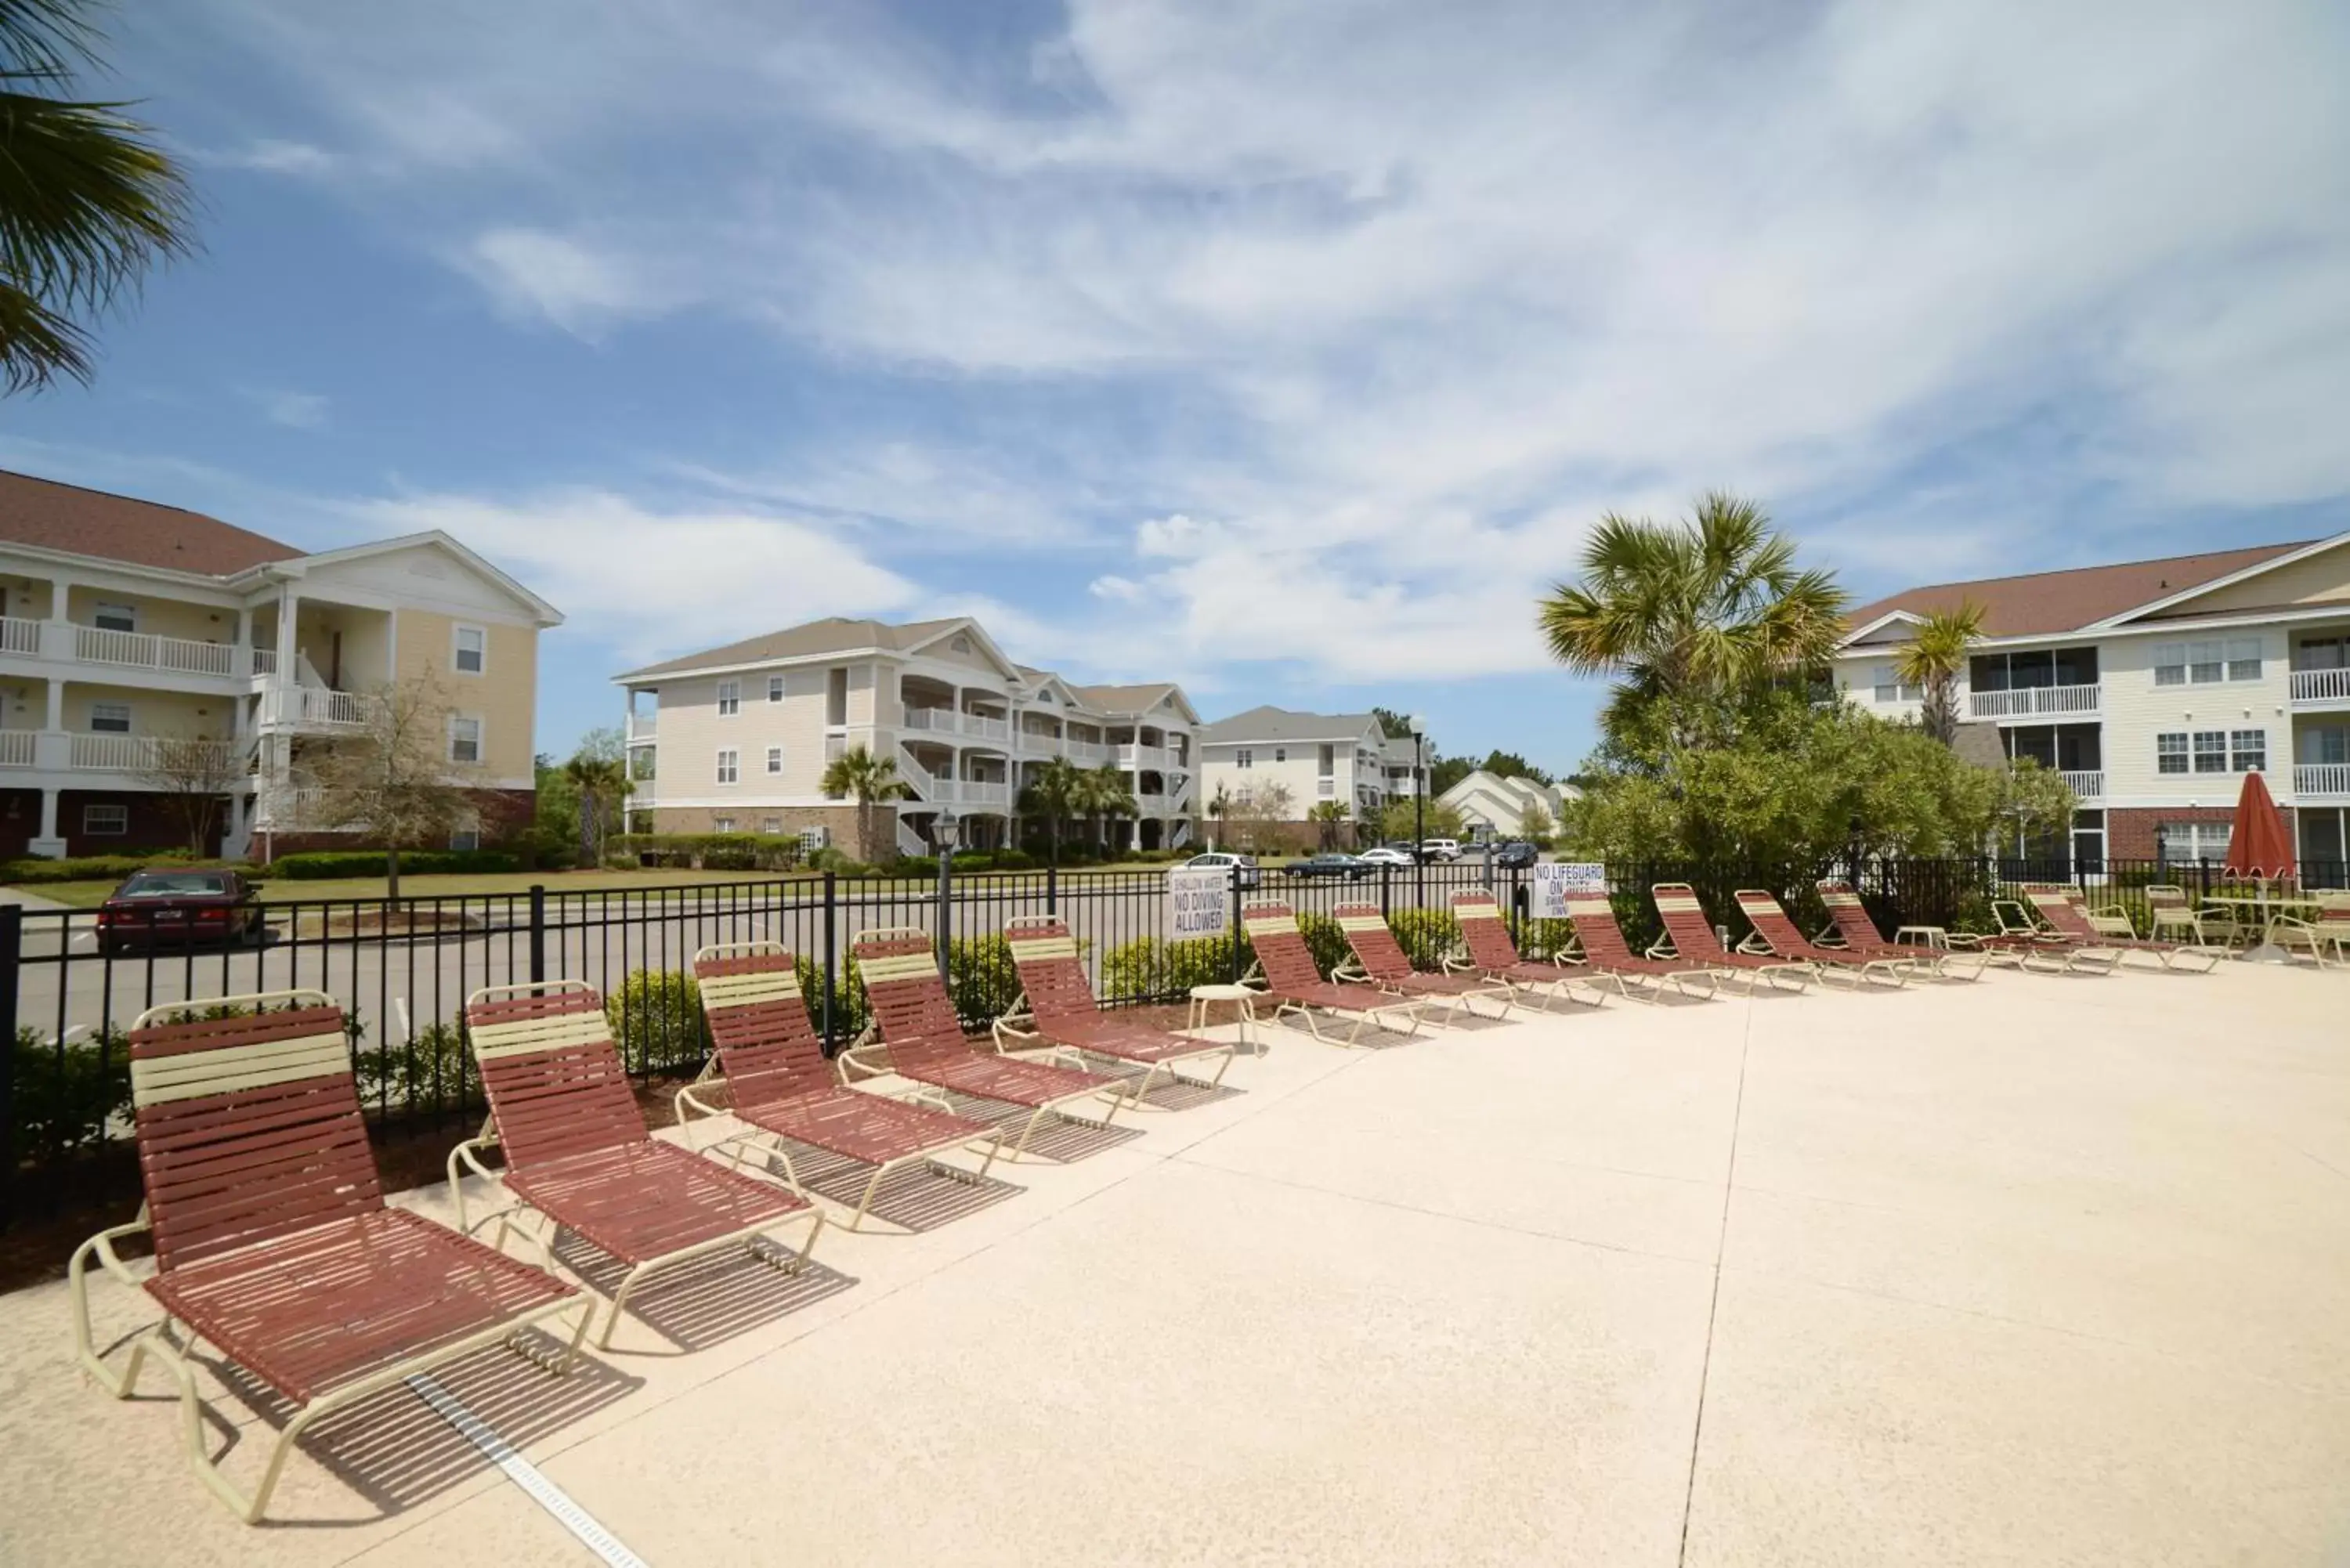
[[2044, 602], [1270, 723], [434, 538], [1136, 700], [51, 515], [834, 634]]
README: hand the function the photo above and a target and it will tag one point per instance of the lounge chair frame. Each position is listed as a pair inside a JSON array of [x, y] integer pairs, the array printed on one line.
[[2060, 906], [768, 1137], [922, 969], [264, 1063], [1612, 961], [1479, 916], [1689, 937], [1040, 944], [1376, 960], [2044, 952], [1849, 926], [586, 1028], [1274, 921]]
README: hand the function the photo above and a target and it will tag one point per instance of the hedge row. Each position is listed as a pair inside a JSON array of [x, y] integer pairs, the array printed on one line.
[[316, 865], [710, 851]]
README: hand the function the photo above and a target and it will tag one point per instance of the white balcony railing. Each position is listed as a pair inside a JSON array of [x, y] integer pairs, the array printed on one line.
[[98, 645], [283, 806], [917, 777], [2089, 784], [1092, 753], [981, 792], [2029, 700], [2321, 779], [16, 748], [264, 662], [2321, 685], [1142, 757], [133, 754], [931, 719], [20, 636], [312, 706], [641, 729], [985, 728]]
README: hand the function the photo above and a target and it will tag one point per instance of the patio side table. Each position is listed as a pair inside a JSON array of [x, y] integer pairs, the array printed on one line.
[[1243, 1002]]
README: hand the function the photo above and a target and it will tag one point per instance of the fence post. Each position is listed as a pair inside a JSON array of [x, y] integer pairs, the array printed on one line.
[[1387, 889], [1235, 977], [1052, 889], [831, 953], [538, 933], [12, 942], [946, 910]]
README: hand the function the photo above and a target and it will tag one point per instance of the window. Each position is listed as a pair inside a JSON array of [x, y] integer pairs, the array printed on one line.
[[2170, 664], [2211, 751], [1281, 753], [1890, 689], [1244, 758], [2321, 653], [472, 654], [2248, 750], [110, 718], [2192, 840], [2206, 661], [2331, 744], [115, 618], [2244, 659], [774, 687], [730, 698], [465, 838], [774, 759], [1326, 763], [464, 740], [730, 765], [105, 821], [2170, 753], [721, 825], [771, 825]]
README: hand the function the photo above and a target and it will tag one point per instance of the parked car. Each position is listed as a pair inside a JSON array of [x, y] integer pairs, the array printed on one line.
[[1439, 849], [1349, 867], [1515, 854], [1216, 860], [155, 907], [1385, 855]]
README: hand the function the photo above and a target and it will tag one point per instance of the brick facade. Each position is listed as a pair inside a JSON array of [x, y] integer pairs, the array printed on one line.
[[2131, 833], [505, 814], [154, 823], [840, 820]]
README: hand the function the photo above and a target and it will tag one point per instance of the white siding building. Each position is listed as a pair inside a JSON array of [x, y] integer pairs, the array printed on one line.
[[1301, 759]]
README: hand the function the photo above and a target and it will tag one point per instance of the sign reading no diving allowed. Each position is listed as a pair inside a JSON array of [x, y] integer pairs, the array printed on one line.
[[1198, 903], [1556, 881]]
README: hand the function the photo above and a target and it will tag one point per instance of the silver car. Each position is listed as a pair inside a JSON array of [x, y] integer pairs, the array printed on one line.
[[1216, 860]]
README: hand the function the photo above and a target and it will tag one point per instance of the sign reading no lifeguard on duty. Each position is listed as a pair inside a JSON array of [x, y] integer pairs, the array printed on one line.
[[1556, 881]]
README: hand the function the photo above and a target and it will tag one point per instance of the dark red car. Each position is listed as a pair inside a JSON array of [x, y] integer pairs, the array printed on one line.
[[155, 907]]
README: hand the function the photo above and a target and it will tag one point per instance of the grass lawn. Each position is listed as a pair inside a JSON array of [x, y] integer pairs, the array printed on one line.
[[90, 895]]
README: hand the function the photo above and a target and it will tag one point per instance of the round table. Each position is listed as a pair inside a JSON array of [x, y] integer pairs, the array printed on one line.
[[1241, 998]]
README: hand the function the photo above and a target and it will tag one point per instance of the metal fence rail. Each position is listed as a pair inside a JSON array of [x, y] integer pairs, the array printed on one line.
[[403, 969]]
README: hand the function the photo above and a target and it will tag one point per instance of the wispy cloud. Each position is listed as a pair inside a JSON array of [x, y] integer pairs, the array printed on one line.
[[296, 410]]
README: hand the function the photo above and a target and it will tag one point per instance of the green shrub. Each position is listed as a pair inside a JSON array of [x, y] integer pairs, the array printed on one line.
[[319, 865], [1016, 860], [1326, 939], [434, 1069], [655, 1016], [105, 867], [62, 1098], [1154, 967], [982, 978], [1425, 936], [711, 851]]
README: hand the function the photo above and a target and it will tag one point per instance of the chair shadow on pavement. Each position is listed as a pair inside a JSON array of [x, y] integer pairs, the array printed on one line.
[[705, 1301], [1078, 1135], [394, 1450], [911, 1199]]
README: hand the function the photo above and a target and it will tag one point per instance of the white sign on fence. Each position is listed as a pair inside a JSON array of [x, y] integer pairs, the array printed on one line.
[[1198, 903], [1557, 880]]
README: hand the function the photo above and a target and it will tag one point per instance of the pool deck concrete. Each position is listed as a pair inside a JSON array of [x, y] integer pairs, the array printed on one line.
[[2037, 1270]]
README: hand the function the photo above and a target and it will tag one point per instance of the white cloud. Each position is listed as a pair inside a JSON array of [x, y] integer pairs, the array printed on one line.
[[296, 410], [652, 581], [1408, 293], [272, 156]]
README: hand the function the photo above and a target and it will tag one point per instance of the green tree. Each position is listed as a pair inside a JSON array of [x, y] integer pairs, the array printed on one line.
[[871, 782], [1394, 725], [1535, 826], [1054, 794], [1703, 610], [1327, 817], [1510, 765], [392, 778], [598, 785], [87, 203], [1400, 821], [1443, 772], [1935, 658], [1220, 807], [1106, 796]]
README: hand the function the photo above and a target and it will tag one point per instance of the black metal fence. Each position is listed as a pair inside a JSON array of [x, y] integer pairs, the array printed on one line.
[[403, 971]]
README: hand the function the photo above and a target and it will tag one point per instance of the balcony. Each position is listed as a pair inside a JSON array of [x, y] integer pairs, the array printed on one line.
[[312, 708], [17, 748], [1132, 756], [984, 792], [2320, 686], [2315, 781], [20, 636], [641, 729], [137, 753], [2088, 784], [264, 662], [2035, 701], [140, 650], [1086, 754], [946, 721]]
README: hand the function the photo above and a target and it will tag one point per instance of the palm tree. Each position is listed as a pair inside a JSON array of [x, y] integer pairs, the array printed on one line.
[[597, 780], [1220, 807], [87, 204], [1708, 608], [1106, 796], [1055, 792], [858, 775], [1934, 659], [1326, 816]]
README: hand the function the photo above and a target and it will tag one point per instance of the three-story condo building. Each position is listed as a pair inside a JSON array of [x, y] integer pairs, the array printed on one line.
[[2154, 686], [738, 739], [130, 629], [1298, 760]]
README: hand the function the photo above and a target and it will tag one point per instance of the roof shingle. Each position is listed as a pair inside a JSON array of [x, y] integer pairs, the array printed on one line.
[[2045, 603], [51, 515]]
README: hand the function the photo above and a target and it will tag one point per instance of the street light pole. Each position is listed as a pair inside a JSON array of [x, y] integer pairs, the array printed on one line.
[[1419, 809], [945, 828]]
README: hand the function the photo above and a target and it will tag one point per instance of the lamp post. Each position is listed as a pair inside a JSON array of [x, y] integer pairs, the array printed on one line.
[[945, 828], [1419, 726]]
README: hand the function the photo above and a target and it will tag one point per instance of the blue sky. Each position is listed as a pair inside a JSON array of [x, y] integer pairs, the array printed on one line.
[[1285, 349]]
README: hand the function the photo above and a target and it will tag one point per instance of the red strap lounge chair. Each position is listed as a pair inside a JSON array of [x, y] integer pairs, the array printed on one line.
[[1058, 1010], [916, 1024], [1606, 951], [1780, 936], [1492, 954], [1687, 936], [2042, 949], [1857, 933], [1380, 961], [578, 1154], [1284, 967], [272, 1239], [781, 1089], [2061, 908]]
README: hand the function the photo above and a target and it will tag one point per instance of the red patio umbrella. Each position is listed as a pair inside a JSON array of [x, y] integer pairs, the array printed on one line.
[[2259, 845]]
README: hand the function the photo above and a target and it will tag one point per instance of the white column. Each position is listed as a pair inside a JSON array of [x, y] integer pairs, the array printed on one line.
[[289, 604], [48, 843], [56, 716], [241, 661]]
